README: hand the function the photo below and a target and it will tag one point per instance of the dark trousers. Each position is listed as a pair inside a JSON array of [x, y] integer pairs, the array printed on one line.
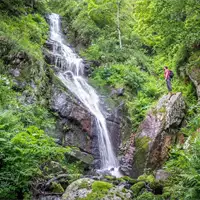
[[169, 86]]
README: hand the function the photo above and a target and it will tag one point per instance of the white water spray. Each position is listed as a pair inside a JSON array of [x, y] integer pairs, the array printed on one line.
[[72, 75]]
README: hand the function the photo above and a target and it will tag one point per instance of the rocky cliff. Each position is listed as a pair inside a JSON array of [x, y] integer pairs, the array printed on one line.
[[75, 124], [149, 147]]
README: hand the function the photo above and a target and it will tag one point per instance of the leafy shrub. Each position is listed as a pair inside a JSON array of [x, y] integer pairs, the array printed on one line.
[[24, 145], [21, 156], [27, 32], [141, 89], [184, 161], [120, 76], [6, 94], [17, 7]]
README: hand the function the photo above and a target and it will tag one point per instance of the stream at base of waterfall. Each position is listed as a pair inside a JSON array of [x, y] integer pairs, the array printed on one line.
[[71, 73]]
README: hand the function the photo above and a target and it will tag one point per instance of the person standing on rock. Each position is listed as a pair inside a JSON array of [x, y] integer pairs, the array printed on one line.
[[168, 75]]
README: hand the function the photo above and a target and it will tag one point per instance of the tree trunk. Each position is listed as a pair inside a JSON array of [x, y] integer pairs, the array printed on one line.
[[118, 23]]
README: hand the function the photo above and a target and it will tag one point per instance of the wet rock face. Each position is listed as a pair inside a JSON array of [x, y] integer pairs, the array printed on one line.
[[75, 123], [113, 122], [157, 133], [126, 161], [78, 127]]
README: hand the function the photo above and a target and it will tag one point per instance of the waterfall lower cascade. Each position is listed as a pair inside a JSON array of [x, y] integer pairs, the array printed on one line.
[[71, 73]]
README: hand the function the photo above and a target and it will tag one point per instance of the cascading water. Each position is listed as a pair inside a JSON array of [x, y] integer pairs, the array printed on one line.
[[71, 73]]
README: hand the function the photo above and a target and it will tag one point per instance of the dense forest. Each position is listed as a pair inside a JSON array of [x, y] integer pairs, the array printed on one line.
[[125, 45]]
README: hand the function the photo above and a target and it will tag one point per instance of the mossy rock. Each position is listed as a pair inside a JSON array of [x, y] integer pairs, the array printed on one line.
[[136, 188], [84, 184], [56, 188], [99, 190], [92, 196], [120, 180], [76, 155], [154, 185], [142, 148], [130, 180], [110, 178], [147, 178], [89, 189], [101, 186], [53, 168], [78, 189]]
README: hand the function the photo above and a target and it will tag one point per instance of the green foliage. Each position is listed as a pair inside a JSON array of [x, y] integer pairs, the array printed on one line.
[[141, 89], [6, 94], [184, 161], [21, 156], [178, 22], [148, 196], [170, 28], [28, 33], [34, 114], [101, 186], [93, 26], [119, 76], [99, 190], [153, 33], [24, 146], [17, 7], [136, 188]]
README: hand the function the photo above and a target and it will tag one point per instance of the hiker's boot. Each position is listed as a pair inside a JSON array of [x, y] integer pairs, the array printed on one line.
[[169, 94]]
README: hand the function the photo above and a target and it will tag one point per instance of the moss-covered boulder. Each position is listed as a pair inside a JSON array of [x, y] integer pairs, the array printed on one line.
[[136, 188], [89, 189], [78, 189], [147, 178]]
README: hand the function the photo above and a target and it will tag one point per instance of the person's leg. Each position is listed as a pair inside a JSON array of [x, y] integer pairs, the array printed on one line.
[[169, 86]]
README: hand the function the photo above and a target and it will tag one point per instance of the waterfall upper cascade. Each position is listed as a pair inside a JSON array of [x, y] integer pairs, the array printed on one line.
[[71, 73]]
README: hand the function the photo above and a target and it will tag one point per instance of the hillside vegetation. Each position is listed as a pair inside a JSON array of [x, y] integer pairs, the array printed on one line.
[[127, 44]]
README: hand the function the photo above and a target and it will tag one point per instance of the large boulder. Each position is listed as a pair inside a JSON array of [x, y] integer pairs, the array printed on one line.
[[156, 134], [78, 189], [87, 188]]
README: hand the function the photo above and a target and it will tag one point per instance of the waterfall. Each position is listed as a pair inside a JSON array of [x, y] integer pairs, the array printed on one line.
[[71, 73]]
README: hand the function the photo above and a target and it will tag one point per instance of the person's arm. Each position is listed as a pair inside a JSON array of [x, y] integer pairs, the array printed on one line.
[[165, 74]]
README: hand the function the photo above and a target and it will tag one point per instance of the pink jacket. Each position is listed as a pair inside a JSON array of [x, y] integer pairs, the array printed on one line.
[[167, 73]]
